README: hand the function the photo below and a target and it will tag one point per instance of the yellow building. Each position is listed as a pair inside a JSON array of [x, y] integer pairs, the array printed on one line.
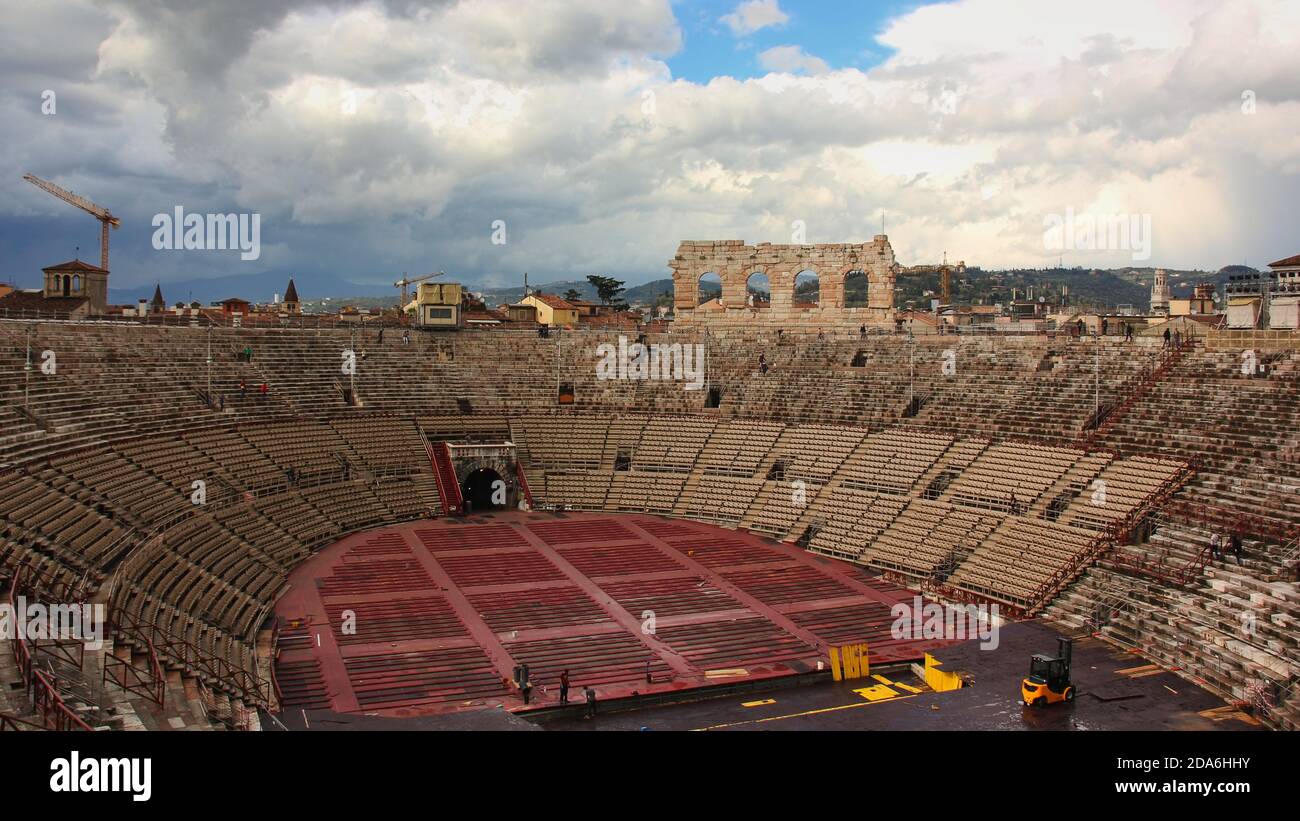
[[437, 304], [551, 310], [1202, 302]]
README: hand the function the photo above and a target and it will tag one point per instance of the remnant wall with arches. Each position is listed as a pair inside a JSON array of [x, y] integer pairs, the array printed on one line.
[[735, 262]]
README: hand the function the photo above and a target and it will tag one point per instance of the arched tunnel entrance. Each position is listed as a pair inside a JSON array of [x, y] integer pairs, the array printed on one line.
[[484, 489]]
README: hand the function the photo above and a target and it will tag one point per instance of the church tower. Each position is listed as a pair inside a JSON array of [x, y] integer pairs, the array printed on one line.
[[1160, 292], [291, 304]]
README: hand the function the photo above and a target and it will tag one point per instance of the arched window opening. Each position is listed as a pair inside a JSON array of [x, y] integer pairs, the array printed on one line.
[[758, 291], [709, 288], [807, 289], [856, 287]]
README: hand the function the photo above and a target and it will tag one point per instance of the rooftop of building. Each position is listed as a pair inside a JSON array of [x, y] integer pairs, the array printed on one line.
[[77, 265]]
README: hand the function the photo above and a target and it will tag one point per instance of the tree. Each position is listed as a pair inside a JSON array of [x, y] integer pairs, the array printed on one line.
[[607, 288], [572, 295]]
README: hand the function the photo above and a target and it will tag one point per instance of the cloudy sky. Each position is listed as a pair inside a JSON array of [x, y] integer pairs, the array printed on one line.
[[592, 136]]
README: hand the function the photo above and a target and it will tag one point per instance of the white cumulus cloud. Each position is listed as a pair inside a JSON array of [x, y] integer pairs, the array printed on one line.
[[792, 59], [754, 15], [389, 136]]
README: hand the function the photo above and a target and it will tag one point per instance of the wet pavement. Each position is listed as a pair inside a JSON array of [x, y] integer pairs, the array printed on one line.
[[1116, 690]]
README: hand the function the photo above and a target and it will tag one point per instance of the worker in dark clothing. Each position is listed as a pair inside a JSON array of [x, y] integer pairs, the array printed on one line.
[[1237, 549], [243, 389], [564, 687], [590, 695], [1166, 338], [762, 362]]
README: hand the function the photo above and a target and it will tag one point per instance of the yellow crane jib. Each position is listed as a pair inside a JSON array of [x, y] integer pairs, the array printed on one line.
[[99, 212]]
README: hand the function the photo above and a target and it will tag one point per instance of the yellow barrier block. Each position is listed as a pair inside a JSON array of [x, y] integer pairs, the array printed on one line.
[[850, 655], [909, 688], [758, 703], [850, 661], [882, 679], [730, 672], [938, 680], [876, 692]]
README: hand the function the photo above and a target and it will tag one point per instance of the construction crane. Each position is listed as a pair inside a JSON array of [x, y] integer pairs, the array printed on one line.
[[405, 281], [104, 216], [944, 270]]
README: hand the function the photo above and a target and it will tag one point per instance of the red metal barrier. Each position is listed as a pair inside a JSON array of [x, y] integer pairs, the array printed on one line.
[[14, 723], [253, 689], [444, 474], [523, 484], [41, 689]]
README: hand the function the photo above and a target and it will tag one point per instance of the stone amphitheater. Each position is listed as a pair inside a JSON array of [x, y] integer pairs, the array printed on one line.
[[1073, 480]]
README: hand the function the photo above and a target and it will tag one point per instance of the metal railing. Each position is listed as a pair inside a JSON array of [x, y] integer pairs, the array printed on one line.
[[14, 723], [42, 689], [523, 483], [253, 689], [1130, 392]]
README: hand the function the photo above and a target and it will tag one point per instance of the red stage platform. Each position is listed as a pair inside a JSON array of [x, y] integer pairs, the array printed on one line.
[[444, 609]]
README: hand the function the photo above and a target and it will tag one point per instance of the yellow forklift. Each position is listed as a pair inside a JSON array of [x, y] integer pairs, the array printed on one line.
[[1049, 677]]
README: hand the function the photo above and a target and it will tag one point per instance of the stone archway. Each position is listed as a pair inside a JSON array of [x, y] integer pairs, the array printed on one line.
[[708, 287], [807, 291], [758, 291], [857, 289], [485, 489], [478, 466]]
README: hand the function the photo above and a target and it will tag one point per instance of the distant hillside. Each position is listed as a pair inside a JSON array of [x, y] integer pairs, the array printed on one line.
[[253, 287], [646, 294], [1086, 286]]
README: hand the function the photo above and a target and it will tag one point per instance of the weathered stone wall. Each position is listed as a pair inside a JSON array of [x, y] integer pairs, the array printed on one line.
[[734, 262]]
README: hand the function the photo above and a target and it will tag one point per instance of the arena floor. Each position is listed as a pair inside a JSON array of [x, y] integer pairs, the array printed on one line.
[[1117, 690], [441, 617]]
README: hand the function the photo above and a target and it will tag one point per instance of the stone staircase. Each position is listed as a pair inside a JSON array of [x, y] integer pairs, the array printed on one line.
[[1234, 631]]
